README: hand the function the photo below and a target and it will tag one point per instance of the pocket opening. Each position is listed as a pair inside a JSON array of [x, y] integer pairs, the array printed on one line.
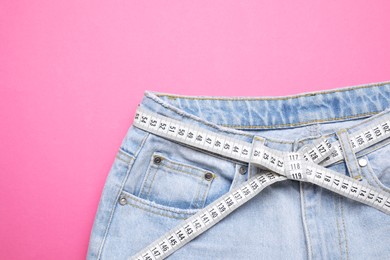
[[173, 183]]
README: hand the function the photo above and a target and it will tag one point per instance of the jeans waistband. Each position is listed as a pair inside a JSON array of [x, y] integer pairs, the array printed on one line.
[[238, 116]]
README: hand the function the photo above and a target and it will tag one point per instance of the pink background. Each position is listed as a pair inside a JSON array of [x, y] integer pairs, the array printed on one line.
[[72, 73]]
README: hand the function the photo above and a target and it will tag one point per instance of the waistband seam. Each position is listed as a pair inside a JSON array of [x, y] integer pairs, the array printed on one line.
[[362, 115], [196, 118], [225, 128]]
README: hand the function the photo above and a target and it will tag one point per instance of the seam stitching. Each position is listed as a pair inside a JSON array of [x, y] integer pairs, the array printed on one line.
[[335, 203], [198, 119], [145, 179], [379, 114], [147, 195], [303, 123], [182, 171], [157, 213], [124, 160], [168, 161], [305, 224], [346, 156], [369, 181], [206, 191], [195, 200], [113, 206], [353, 155], [345, 230], [146, 204], [156, 170]]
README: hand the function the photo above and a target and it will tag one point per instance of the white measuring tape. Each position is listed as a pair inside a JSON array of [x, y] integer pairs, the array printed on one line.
[[301, 166], [208, 217]]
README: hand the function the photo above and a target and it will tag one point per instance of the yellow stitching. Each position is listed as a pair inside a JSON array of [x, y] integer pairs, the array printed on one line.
[[155, 173], [305, 220], [345, 154], [354, 155], [195, 204], [124, 160], [198, 200], [269, 127], [369, 182], [181, 164], [345, 230], [174, 109], [145, 180], [368, 119], [151, 184], [181, 171], [368, 151], [374, 149], [123, 156], [301, 123], [368, 179], [139, 147], [122, 152], [330, 91], [318, 121], [235, 176], [157, 213], [279, 141], [337, 221], [204, 196], [154, 206], [204, 122], [175, 170]]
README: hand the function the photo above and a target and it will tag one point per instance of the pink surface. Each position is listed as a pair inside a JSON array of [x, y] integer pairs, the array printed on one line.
[[73, 72]]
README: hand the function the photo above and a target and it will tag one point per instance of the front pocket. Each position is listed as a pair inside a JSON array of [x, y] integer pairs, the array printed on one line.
[[175, 184]]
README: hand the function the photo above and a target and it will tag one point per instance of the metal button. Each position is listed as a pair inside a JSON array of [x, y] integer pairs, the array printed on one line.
[[362, 162], [157, 160], [208, 176], [242, 170], [122, 201]]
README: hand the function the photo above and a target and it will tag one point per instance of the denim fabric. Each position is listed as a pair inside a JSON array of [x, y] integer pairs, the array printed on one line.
[[289, 219]]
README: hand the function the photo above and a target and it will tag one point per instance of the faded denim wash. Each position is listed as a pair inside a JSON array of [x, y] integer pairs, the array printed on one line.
[[289, 219]]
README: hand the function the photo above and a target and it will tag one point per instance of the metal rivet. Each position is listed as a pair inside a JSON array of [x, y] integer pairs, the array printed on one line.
[[242, 170], [208, 176], [122, 201], [362, 162], [157, 160]]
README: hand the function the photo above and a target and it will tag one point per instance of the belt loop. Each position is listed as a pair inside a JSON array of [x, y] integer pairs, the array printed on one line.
[[256, 141], [349, 155]]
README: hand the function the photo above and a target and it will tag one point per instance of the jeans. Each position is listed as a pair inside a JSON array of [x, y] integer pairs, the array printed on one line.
[[155, 183]]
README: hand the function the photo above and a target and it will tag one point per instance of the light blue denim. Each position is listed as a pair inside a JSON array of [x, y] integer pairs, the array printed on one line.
[[144, 198]]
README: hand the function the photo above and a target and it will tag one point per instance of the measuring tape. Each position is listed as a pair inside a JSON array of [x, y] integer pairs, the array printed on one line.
[[208, 217], [301, 166], [360, 140]]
